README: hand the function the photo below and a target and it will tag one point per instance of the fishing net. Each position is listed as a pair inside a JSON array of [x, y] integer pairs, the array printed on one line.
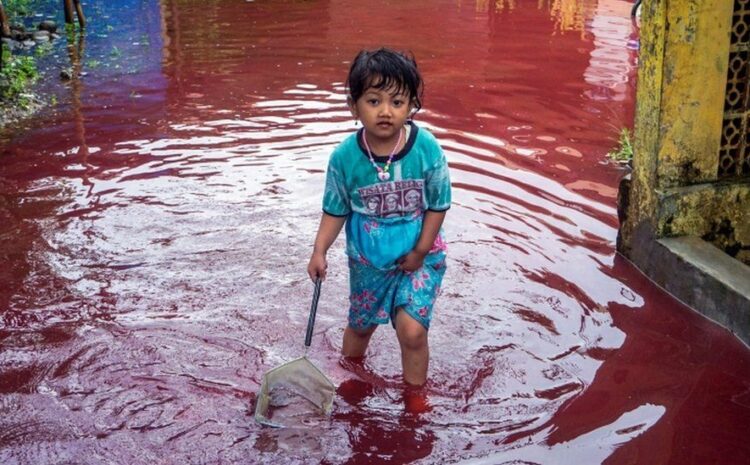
[[287, 391]]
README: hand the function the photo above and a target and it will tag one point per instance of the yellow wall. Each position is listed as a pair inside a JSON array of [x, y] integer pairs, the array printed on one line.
[[680, 103], [696, 56]]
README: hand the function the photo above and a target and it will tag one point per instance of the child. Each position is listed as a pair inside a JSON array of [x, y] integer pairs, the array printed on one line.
[[389, 184]]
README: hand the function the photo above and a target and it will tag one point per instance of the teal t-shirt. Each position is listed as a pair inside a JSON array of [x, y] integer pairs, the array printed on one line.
[[384, 218]]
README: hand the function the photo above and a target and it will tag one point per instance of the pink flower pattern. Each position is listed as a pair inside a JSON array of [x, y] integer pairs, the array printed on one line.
[[374, 291], [371, 226], [363, 300], [439, 245], [418, 279]]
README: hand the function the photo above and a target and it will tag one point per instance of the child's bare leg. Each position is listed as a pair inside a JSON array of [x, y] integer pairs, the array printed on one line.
[[415, 353], [356, 340]]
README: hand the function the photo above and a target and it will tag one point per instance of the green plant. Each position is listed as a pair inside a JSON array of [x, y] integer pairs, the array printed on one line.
[[624, 151], [17, 75], [116, 52], [18, 7], [42, 49], [93, 63]]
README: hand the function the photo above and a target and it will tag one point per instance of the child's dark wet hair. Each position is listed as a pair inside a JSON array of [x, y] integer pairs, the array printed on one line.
[[385, 69]]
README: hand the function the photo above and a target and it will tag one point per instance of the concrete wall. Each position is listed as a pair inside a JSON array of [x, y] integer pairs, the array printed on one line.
[[683, 212], [676, 189]]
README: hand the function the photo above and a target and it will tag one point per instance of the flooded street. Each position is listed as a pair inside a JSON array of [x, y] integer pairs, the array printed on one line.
[[155, 232]]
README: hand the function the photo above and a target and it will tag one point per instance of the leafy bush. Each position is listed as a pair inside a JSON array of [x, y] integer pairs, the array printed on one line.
[[18, 73], [18, 7]]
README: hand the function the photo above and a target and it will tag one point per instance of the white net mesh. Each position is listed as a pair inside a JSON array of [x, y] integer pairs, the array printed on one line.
[[294, 393]]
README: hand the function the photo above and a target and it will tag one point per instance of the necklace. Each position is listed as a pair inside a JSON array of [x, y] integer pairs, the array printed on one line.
[[383, 173]]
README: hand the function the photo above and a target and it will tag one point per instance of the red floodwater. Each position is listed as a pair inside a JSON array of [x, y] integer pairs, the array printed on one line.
[[156, 228]]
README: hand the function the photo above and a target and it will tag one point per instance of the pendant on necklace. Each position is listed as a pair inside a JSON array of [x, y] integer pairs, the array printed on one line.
[[383, 173]]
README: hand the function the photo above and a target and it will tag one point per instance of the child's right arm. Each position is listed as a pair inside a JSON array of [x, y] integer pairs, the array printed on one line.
[[328, 231]]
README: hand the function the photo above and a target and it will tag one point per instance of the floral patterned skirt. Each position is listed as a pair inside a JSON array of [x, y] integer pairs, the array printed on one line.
[[376, 294]]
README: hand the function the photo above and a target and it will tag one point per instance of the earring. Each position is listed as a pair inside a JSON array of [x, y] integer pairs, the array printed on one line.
[[356, 122]]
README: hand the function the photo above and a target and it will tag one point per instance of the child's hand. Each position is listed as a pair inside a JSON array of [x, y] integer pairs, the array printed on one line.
[[317, 266], [411, 261]]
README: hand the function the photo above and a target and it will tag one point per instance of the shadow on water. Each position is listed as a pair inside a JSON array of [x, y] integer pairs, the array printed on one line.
[[155, 230]]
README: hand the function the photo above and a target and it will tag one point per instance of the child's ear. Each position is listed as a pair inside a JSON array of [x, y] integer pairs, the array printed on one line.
[[412, 108], [352, 106]]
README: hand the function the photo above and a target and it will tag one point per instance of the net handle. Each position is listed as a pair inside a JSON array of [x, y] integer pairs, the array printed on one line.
[[313, 311]]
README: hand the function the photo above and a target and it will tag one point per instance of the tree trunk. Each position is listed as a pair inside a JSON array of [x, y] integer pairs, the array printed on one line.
[[79, 12], [4, 24], [68, 7]]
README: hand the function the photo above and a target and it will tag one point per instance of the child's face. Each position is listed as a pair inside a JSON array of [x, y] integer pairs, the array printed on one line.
[[383, 113]]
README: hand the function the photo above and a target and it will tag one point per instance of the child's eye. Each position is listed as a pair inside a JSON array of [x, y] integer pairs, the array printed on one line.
[[373, 101], [398, 103]]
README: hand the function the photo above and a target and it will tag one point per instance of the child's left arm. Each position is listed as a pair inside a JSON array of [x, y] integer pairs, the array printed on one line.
[[438, 199], [430, 229]]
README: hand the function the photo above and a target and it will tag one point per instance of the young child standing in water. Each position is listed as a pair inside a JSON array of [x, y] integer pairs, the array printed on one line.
[[389, 184]]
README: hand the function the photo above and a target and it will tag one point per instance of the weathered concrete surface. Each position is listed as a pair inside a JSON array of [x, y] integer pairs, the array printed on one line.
[[717, 212], [682, 78], [680, 103], [694, 64], [641, 200], [704, 278]]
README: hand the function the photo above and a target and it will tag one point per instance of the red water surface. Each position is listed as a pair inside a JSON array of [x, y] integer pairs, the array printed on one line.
[[155, 230]]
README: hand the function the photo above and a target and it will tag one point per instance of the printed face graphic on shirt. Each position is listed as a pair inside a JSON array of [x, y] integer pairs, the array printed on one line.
[[373, 204], [413, 199], [395, 198], [392, 202]]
